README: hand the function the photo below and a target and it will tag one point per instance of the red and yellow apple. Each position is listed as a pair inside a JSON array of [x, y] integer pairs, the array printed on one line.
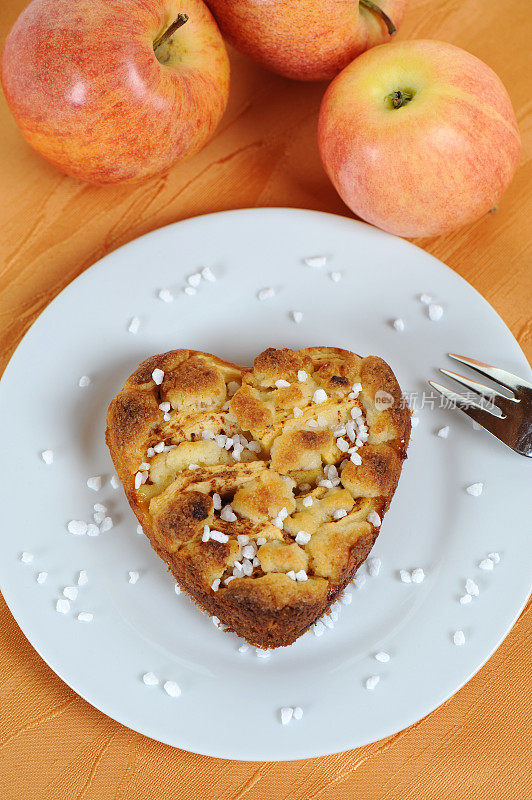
[[115, 90], [305, 39], [418, 137]]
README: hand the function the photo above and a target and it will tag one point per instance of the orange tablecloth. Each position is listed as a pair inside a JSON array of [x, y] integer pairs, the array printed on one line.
[[53, 745]]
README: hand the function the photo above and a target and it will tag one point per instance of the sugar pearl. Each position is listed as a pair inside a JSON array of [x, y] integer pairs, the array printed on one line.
[[47, 456], [172, 688], [435, 312], [286, 715], [158, 375], [382, 656], [459, 638], [62, 606]]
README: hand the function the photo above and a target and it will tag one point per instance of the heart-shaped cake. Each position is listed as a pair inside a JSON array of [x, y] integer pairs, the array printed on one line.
[[262, 488]]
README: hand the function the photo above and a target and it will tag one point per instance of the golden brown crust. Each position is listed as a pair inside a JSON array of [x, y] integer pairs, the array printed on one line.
[[263, 497], [165, 361], [377, 475], [130, 416], [252, 414], [273, 364], [300, 450], [181, 519], [307, 441]]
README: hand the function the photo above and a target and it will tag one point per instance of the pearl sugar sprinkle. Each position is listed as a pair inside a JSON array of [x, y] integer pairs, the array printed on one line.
[[382, 657], [373, 566], [70, 592], [315, 261], [134, 325], [83, 578], [172, 688], [157, 376], [459, 638], [435, 312], [266, 293], [165, 295], [62, 606], [288, 713], [94, 483]]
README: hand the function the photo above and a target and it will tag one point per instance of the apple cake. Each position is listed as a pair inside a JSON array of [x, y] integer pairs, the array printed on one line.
[[263, 489]]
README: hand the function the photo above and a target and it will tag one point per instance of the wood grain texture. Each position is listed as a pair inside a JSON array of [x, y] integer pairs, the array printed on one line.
[[53, 745]]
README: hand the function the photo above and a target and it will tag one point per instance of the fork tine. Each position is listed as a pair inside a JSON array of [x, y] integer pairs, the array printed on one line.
[[486, 392], [511, 431], [500, 376], [492, 423], [470, 407]]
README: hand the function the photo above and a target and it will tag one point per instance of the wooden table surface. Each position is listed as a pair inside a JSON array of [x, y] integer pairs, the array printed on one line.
[[52, 743]]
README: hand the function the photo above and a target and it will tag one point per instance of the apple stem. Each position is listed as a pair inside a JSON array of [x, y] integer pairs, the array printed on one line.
[[165, 35], [375, 9], [399, 99]]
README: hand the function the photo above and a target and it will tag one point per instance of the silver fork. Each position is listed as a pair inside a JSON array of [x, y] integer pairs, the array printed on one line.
[[507, 417]]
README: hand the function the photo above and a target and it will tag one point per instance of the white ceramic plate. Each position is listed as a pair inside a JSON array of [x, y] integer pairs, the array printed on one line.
[[230, 701]]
